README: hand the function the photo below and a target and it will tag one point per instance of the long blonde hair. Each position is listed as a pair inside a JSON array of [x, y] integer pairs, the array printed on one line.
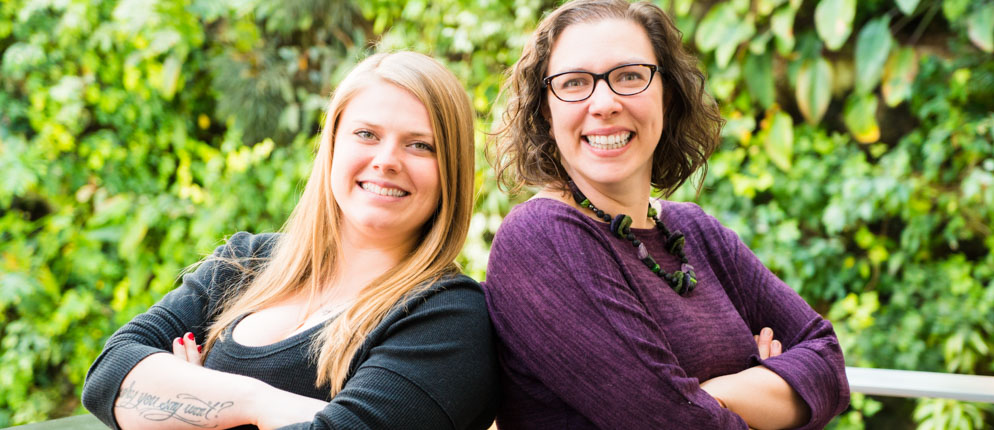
[[303, 259]]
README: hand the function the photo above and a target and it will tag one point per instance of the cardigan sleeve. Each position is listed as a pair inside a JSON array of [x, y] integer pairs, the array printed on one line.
[[565, 315], [812, 361], [188, 308], [434, 367]]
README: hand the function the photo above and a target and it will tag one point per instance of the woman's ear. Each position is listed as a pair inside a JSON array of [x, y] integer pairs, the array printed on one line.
[[547, 115]]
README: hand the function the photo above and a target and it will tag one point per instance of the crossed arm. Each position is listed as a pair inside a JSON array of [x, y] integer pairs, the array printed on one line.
[[761, 397], [170, 391]]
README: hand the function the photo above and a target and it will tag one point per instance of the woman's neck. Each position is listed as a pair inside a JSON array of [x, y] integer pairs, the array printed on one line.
[[361, 260], [615, 199]]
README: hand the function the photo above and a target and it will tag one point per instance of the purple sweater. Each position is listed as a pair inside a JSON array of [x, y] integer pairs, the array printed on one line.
[[590, 338]]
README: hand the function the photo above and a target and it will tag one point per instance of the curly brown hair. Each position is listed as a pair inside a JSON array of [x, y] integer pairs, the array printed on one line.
[[522, 149]]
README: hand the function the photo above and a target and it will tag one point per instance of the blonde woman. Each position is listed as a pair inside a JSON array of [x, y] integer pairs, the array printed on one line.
[[356, 315]]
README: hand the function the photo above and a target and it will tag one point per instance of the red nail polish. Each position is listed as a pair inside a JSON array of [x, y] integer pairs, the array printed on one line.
[[199, 348], [190, 336], [180, 340]]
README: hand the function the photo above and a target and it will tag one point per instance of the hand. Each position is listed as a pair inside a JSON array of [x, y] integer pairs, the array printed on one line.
[[275, 408], [768, 347], [186, 349]]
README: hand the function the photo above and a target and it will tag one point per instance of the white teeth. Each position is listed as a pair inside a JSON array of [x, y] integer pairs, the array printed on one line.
[[392, 192], [613, 141]]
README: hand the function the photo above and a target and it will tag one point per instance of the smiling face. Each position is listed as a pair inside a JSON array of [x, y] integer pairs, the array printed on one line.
[[606, 140], [384, 171]]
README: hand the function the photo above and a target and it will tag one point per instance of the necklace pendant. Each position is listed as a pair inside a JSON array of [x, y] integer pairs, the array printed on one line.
[[689, 278], [621, 225], [642, 252]]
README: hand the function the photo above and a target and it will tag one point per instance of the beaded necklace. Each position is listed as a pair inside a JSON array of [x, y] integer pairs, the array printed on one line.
[[682, 281]]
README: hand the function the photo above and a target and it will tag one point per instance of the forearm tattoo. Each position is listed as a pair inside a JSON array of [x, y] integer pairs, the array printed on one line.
[[183, 407]]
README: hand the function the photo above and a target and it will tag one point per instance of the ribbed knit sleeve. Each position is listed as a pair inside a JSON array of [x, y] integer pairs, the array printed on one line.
[[812, 361], [430, 365], [566, 317], [188, 308]]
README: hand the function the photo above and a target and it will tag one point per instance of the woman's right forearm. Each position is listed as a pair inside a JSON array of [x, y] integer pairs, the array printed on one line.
[[164, 392]]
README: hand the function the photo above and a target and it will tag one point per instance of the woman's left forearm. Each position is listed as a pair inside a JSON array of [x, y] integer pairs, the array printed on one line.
[[761, 397]]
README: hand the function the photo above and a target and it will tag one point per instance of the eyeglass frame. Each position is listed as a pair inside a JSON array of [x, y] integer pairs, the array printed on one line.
[[600, 76]]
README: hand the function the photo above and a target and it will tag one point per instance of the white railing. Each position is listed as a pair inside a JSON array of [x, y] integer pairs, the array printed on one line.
[[909, 383]]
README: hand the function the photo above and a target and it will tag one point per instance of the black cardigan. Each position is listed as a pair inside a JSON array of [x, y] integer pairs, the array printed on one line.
[[430, 364]]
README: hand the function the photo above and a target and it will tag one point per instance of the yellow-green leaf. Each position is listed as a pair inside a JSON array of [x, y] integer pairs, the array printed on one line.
[[833, 21], [872, 47], [980, 27], [169, 77], [860, 116], [765, 7], [682, 7], [779, 143], [954, 9], [814, 89], [899, 74]]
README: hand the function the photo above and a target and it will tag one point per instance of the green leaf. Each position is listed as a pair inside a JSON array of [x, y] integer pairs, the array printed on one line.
[[872, 48], [899, 75], [713, 26], [779, 142], [833, 21], [814, 89], [980, 27], [954, 9], [782, 26], [742, 32], [758, 43], [724, 29], [860, 116], [907, 6], [759, 78]]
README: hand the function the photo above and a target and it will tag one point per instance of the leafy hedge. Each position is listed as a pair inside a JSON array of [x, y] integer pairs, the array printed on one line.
[[858, 160]]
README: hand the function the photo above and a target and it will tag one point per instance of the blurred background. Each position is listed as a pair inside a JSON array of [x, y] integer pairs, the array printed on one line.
[[135, 135]]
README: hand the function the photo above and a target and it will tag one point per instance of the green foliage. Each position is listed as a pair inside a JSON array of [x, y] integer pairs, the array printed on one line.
[[131, 133], [882, 217]]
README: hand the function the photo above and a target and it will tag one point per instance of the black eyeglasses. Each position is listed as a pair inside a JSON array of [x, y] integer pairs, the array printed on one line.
[[624, 80]]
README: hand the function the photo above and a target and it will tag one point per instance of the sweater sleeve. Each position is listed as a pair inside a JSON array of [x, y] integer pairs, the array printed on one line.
[[566, 317], [187, 308], [434, 367], [812, 361]]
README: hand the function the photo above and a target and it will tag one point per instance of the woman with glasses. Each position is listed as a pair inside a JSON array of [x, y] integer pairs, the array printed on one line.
[[614, 310]]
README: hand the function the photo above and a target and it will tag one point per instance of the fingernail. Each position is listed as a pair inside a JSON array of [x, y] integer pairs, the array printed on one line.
[[767, 331], [189, 336], [199, 348], [180, 340]]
